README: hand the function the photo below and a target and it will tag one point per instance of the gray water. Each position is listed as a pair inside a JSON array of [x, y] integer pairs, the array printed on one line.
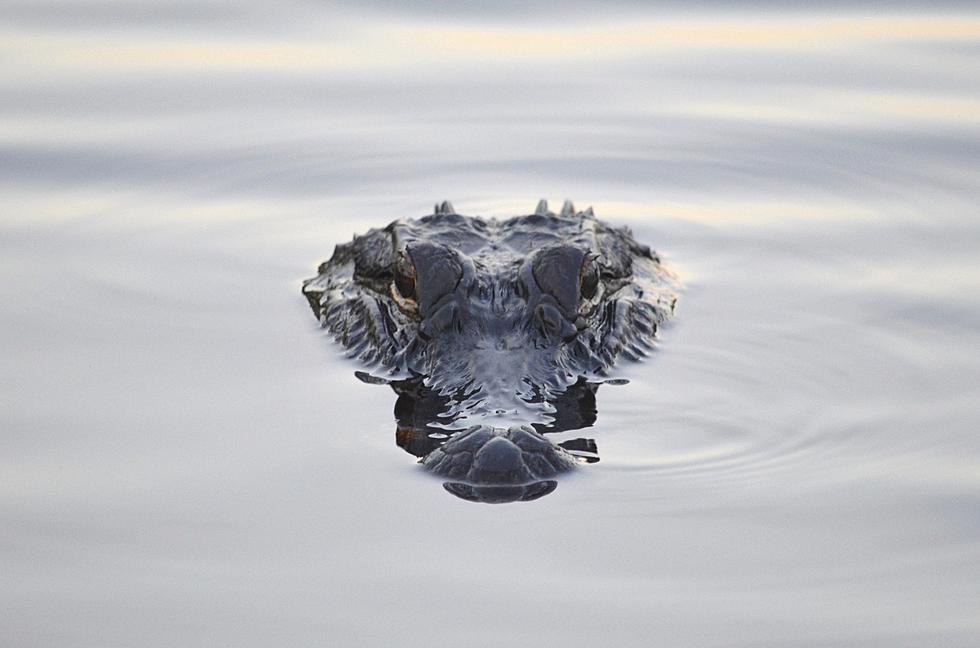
[[188, 461]]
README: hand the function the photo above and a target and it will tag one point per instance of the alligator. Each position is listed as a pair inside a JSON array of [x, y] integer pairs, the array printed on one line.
[[494, 333]]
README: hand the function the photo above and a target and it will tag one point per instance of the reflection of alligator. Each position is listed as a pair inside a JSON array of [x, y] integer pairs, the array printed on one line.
[[493, 333]]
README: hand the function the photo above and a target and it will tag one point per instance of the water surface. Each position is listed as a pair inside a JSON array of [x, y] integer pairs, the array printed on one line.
[[189, 461]]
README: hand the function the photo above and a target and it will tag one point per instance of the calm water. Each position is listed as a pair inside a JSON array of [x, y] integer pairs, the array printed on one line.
[[187, 461]]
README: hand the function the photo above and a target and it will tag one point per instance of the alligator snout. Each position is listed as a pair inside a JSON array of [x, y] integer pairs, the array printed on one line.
[[498, 465], [486, 456]]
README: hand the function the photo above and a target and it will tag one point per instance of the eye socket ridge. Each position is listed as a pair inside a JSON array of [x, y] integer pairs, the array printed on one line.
[[423, 274], [568, 274]]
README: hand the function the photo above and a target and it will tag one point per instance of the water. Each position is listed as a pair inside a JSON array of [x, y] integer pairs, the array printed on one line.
[[188, 461]]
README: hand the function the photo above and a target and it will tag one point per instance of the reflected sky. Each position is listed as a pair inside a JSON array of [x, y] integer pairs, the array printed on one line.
[[386, 45], [224, 101]]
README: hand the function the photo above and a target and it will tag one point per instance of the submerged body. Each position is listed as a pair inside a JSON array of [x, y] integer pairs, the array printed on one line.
[[491, 323]]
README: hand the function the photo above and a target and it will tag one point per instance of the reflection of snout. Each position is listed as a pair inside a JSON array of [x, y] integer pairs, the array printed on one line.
[[501, 494], [485, 456]]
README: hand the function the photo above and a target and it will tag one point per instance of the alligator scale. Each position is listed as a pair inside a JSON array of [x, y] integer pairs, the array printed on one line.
[[493, 333]]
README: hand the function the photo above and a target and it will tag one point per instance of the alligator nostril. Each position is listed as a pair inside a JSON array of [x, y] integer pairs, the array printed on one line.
[[498, 455]]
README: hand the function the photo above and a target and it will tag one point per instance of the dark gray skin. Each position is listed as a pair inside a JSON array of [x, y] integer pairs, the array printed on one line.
[[494, 321]]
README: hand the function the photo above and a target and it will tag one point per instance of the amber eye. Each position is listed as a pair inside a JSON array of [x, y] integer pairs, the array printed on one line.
[[405, 276], [589, 278]]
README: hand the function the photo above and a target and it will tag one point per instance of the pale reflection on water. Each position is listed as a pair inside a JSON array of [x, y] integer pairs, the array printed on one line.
[[187, 461]]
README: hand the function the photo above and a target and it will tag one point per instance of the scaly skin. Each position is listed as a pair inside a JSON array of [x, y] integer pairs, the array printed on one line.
[[490, 324]]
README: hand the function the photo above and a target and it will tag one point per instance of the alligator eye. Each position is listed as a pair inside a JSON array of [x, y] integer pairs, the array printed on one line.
[[424, 275], [588, 278], [404, 272]]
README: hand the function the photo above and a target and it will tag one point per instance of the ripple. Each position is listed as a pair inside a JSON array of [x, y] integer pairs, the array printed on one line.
[[807, 395]]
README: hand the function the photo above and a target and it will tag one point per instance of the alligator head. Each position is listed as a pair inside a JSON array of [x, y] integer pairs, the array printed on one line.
[[491, 328]]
